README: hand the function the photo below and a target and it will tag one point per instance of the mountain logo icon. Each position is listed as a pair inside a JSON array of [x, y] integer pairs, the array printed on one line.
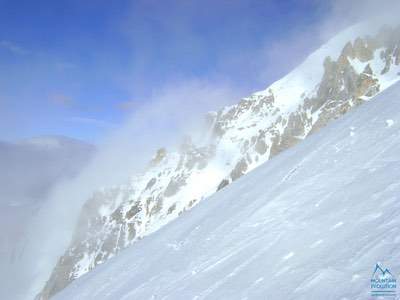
[[383, 283], [379, 271]]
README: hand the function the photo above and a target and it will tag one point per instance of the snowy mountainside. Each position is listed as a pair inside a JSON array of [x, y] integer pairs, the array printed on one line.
[[312, 223], [350, 69]]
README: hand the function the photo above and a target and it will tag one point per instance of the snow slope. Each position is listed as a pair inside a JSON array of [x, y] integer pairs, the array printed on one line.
[[310, 224]]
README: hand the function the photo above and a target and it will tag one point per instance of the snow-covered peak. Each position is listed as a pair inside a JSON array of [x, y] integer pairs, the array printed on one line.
[[304, 80]]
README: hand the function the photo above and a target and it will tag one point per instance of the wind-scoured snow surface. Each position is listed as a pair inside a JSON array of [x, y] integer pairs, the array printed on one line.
[[310, 224]]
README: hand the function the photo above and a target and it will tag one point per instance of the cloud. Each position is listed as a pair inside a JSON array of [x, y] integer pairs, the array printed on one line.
[[360, 10], [275, 59], [91, 122], [344, 13], [12, 47]]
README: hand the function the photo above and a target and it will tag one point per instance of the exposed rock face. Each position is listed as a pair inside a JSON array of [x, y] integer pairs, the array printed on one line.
[[243, 136], [342, 88], [160, 155]]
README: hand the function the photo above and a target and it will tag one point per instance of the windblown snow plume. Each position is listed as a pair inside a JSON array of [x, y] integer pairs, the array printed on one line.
[[348, 70], [312, 223], [124, 153]]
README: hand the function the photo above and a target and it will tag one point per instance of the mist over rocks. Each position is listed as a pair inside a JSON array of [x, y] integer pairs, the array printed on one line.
[[30, 168]]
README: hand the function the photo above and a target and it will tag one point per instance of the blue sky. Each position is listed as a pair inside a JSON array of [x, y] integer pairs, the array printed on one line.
[[79, 68]]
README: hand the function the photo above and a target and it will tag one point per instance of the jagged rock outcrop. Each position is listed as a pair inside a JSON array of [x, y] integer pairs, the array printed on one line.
[[241, 138]]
